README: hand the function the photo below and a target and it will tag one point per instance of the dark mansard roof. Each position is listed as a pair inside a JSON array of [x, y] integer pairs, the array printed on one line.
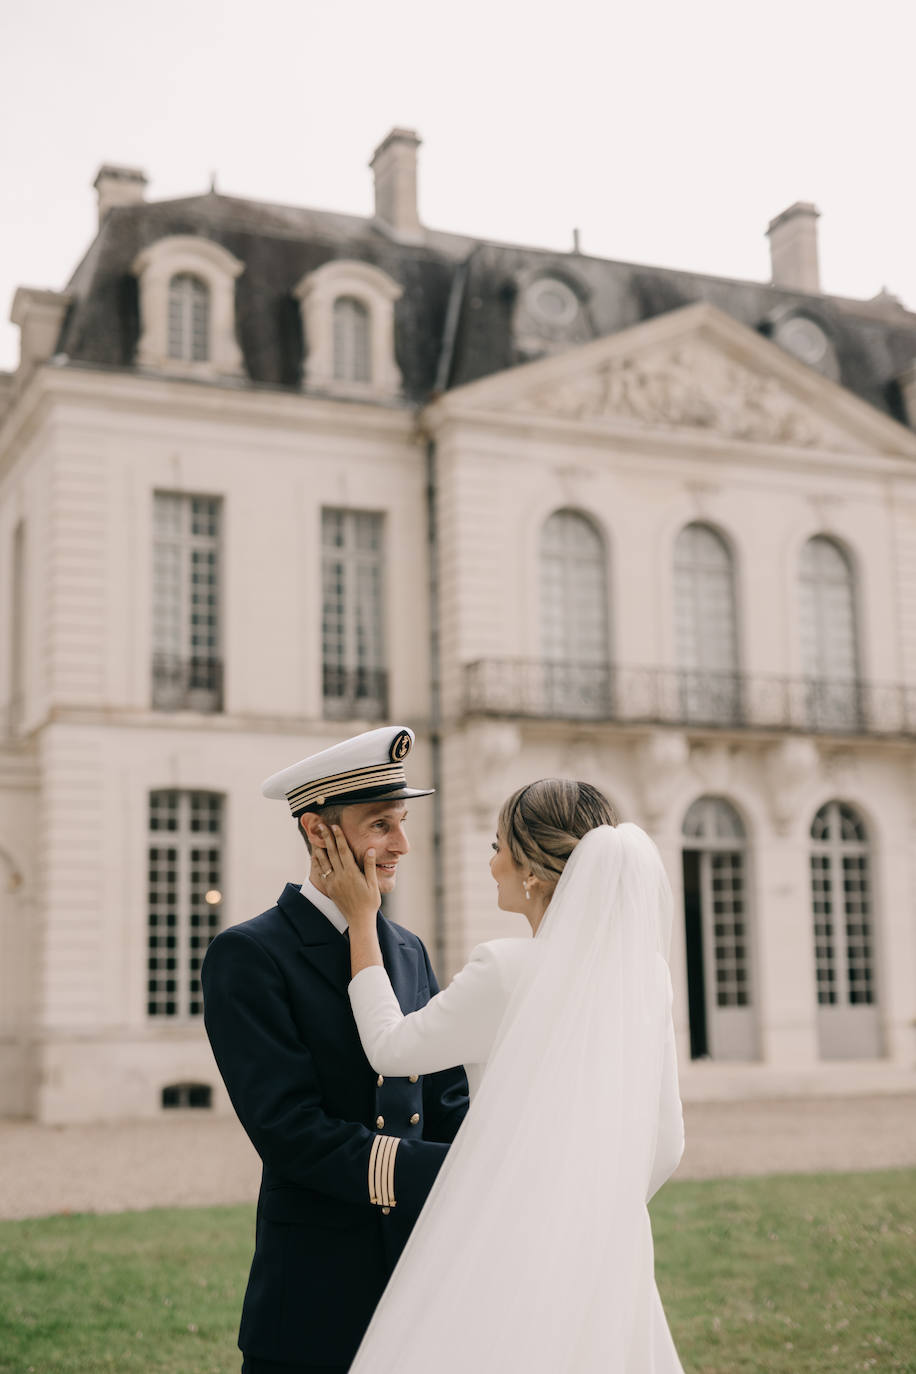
[[454, 321]]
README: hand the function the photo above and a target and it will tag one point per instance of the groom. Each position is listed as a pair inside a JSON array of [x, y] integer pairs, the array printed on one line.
[[348, 1156]]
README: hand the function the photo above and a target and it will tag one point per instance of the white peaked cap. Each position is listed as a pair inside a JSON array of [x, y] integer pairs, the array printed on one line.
[[368, 767]]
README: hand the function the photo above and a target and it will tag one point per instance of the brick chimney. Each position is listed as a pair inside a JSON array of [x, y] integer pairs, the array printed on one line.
[[793, 247], [394, 164], [119, 186]]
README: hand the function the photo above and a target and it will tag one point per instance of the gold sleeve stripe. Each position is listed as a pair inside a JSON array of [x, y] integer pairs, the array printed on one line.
[[381, 1170], [389, 1163], [385, 1151], [373, 1170]]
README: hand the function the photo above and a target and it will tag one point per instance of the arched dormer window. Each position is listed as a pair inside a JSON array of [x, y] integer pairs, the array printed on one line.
[[352, 342], [348, 323], [189, 318], [187, 307]]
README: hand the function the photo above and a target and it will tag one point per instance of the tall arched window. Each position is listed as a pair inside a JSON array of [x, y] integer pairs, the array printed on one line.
[[574, 617], [718, 937], [830, 655], [844, 951], [706, 630], [352, 353], [189, 318]]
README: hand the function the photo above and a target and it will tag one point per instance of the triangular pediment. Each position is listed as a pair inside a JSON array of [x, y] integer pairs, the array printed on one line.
[[694, 369]]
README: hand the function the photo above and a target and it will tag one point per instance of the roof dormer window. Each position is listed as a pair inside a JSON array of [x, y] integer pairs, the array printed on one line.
[[805, 338], [550, 315], [352, 342], [348, 325], [189, 318], [187, 307]]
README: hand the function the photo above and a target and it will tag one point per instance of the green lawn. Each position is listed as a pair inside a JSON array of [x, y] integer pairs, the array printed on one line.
[[759, 1276]]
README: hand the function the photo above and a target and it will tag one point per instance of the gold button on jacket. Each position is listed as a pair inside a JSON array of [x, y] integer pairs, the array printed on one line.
[[380, 1121], [415, 1119], [414, 1078], [380, 1080]]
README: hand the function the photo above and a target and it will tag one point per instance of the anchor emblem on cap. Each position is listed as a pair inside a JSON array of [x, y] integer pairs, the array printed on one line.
[[400, 746]]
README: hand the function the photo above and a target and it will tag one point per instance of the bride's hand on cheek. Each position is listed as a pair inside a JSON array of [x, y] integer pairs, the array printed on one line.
[[354, 890]]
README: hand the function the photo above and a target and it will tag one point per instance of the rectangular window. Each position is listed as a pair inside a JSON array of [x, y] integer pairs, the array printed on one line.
[[355, 683], [184, 896], [187, 662], [17, 629]]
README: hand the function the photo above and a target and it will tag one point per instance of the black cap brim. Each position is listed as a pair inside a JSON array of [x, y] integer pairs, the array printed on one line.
[[370, 794]]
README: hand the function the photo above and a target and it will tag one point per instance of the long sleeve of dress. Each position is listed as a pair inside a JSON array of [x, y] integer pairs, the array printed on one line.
[[458, 1025]]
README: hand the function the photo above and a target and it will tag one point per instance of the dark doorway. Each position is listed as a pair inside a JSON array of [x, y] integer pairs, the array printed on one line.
[[696, 980]]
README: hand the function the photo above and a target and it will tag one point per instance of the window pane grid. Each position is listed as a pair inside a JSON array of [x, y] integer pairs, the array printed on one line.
[[187, 666], [842, 908], [575, 643], [828, 634], [182, 874], [188, 319], [353, 636], [729, 928], [351, 341], [705, 623]]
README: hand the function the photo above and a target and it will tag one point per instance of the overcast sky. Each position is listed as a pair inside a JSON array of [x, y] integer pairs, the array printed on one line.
[[669, 133]]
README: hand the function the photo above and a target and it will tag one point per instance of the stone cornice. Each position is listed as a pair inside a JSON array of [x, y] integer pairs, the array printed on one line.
[[146, 395], [702, 446]]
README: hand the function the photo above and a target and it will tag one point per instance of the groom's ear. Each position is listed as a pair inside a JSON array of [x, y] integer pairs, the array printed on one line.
[[308, 823]]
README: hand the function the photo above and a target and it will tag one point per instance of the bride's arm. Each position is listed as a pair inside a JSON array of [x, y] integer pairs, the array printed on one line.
[[457, 1026]]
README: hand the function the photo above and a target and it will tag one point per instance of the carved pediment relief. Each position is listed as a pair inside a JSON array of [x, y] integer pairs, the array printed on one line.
[[692, 370], [690, 385]]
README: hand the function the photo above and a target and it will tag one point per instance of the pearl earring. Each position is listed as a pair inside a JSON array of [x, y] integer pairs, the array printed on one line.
[[527, 893]]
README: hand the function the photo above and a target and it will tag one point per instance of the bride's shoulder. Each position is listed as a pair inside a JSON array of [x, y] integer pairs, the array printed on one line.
[[506, 958]]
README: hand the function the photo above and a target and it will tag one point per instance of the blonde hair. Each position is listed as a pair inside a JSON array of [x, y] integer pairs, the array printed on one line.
[[543, 822]]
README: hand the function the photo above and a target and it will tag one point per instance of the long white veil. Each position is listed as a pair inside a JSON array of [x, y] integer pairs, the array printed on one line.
[[534, 1250]]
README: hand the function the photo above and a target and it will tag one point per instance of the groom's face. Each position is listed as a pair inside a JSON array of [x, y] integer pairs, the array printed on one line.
[[378, 826]]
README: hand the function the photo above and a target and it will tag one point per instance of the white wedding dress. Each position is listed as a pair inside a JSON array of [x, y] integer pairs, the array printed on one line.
[[534, 1250]]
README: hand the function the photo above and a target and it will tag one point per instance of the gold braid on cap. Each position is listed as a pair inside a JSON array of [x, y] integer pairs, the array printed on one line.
[[322, 791]]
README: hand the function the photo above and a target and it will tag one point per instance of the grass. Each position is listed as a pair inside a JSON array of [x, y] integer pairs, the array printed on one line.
[[790, 1275], [758, 1276]]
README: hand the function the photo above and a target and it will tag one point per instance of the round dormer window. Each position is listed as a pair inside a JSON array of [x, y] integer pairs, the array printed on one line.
[[804, 339], [551, 303]]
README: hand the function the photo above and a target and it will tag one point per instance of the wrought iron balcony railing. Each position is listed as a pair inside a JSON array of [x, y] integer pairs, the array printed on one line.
[[354, 693], [671, 696], [187, 684]]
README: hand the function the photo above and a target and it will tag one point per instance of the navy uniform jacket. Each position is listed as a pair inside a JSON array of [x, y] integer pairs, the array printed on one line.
[[279, 1021]]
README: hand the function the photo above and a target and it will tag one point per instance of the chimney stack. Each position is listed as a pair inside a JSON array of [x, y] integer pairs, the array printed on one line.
[[119, 186], [394, 164], [793, 247]]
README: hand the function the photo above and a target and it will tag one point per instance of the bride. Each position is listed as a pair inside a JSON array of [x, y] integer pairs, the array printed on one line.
[[534, 1250]]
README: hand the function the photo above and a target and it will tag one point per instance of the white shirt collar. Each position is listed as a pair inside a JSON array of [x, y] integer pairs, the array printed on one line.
[[325, 906]]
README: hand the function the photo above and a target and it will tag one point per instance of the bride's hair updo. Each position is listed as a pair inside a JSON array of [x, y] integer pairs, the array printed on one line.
[[543, 822]]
